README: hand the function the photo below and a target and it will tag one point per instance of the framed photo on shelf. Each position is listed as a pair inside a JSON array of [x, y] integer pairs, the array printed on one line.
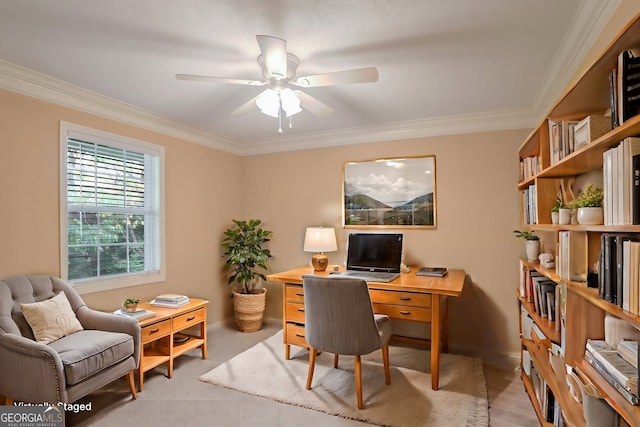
[[389, 193]]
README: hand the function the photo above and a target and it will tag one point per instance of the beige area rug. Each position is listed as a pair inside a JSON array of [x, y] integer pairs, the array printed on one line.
[[409, 401]]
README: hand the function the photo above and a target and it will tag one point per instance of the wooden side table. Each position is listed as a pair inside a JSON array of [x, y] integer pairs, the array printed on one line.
[[159, 345]]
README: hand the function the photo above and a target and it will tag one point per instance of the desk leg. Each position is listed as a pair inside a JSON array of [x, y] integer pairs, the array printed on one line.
[[444, 316], [435, 340]]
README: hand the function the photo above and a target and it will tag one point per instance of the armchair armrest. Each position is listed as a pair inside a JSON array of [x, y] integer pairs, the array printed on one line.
[[93, 319], [22, 358]]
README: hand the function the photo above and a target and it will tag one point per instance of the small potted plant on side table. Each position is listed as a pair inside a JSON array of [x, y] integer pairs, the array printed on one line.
[[532, 243], [589, 203], [131, 304]]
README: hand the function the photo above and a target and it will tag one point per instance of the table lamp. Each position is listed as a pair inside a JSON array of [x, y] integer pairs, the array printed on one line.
[[319, 240]]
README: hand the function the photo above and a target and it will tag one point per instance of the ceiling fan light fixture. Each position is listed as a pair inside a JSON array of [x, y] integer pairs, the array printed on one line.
[[290, 102], [269, 103]]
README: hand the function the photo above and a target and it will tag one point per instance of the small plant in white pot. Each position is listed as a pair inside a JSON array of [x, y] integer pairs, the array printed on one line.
[[245, 255], [532, 243], [555, 210], [589, 203]]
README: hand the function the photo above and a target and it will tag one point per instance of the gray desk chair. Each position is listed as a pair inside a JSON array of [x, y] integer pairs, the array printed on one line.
[[339, 319], [100, 349]]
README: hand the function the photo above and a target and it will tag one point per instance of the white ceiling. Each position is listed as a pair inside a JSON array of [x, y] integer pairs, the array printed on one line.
[[445, 66]]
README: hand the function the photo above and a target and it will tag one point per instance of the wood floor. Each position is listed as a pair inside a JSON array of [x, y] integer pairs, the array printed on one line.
[[509, 404]]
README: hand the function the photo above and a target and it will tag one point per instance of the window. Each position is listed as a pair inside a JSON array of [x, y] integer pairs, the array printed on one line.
[[112, 209]]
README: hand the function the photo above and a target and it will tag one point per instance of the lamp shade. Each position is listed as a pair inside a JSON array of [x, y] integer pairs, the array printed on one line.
[[319, 239]]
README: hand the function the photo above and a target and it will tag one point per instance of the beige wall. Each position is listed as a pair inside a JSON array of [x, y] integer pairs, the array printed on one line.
[[203, 191], [477, 209]]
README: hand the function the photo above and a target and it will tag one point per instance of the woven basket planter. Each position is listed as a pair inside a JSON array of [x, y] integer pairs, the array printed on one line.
[[249, 309]]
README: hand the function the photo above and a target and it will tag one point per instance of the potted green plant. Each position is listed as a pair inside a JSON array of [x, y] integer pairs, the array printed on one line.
[[532, 243], [555, 210], [589, 204], [131, 304], [246, 256]]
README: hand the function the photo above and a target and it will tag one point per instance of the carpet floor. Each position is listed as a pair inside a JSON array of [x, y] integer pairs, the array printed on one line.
[[408, 401]]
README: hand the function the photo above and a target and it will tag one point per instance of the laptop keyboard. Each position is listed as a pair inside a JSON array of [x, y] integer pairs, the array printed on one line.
[[372, 276]]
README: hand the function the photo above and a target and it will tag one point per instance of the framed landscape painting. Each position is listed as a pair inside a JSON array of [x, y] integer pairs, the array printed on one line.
[[390, 193]]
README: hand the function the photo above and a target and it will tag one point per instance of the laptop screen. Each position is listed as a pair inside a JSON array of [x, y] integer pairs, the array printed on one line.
[[374, 252]]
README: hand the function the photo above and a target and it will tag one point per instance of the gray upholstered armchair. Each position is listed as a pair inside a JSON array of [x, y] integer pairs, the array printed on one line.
[[105, 348], [339, 319]]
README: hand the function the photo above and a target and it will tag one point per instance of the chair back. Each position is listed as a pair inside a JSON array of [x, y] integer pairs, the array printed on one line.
[[339, 315], [29, 289]]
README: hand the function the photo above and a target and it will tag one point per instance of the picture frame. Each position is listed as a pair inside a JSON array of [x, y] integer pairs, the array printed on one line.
[[389, 193]]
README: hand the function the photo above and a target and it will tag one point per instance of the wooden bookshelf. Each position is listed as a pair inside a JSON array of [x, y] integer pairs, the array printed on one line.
[[583, 311]]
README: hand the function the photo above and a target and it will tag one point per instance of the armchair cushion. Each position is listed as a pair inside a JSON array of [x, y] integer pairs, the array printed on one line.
[[87, 352], [51, 319]]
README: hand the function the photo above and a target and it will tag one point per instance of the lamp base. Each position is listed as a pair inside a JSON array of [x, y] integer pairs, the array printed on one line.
[[319, 262]]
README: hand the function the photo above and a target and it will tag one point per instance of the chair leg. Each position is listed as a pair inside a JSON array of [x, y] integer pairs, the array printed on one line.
[[358, 369], [132, 385], [385, 361], [312, 364], [335, 360]]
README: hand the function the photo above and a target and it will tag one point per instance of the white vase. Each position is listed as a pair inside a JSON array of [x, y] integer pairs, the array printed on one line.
[[590, 216], [555, 217], [532, 247], [564, 216]]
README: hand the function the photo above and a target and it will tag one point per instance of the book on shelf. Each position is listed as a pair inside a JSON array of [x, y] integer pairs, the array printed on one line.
[[139, 314], [628, 85], [432, 271], [628, 350], [629, 396], [623, 372], [621, 179]]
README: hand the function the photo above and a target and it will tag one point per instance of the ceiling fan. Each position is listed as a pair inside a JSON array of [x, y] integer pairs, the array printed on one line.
[[284, 94]]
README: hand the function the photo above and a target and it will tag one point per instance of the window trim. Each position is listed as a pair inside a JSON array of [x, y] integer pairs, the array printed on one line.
[[84, 286]]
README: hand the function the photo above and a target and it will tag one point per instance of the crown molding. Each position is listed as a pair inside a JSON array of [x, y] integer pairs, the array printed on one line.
[[450, 125], [41, 86]]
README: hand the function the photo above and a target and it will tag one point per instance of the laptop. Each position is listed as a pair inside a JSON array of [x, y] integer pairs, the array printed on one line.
[[374, 257]]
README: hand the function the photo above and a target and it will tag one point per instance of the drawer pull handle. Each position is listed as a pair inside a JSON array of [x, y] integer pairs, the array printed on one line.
[[153, 331], [301, 309], [405, 298], [189, 319], [405, 312], [300, 294], [300, 335]]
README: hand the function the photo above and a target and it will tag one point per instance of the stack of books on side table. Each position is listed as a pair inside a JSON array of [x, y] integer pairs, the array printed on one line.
[[139, 314], [170, 300]]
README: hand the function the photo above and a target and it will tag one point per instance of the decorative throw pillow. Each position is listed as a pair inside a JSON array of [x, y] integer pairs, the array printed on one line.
[[51, 319]]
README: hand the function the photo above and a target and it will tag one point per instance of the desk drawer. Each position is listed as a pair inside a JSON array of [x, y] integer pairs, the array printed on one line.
[[155, 330], [294, 293], [401, 312], [295, 335], [400, 298], [294, 312], [188, 319]]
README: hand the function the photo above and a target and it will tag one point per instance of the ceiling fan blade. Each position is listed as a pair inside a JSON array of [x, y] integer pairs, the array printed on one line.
[[193, 77], [310, 103], [274, 51], [359, 75], [246, 107]]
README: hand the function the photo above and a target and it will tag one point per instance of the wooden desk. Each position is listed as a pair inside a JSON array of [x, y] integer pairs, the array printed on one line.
[[158, 333], [410, 298]]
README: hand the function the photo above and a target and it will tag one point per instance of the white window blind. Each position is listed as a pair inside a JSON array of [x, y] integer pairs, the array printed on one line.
[[113, 209]]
